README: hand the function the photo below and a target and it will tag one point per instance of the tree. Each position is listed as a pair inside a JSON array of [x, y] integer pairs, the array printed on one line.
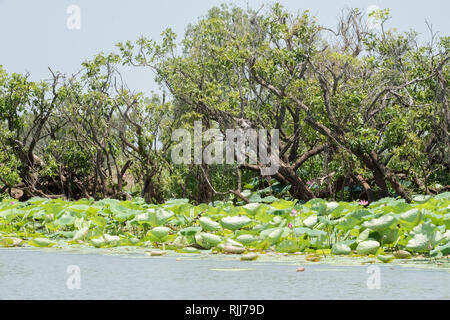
[[364, 104]]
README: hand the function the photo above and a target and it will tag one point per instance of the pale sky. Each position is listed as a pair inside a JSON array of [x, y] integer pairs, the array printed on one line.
[[34, 33]]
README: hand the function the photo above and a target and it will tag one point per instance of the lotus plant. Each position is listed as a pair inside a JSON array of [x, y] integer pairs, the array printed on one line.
[[258, 226]]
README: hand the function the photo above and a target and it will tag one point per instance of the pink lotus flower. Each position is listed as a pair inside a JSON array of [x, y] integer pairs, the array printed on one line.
[[290, 226], [294, 212], [363, 202]]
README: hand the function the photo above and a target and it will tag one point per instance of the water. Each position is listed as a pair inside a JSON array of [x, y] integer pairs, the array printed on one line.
[[37, 274]]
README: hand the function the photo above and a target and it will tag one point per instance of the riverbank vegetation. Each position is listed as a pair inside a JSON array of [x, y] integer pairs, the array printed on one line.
[[388, 228], [362, 113]]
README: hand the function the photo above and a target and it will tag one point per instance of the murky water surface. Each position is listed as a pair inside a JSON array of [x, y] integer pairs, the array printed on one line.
[[27, 273]]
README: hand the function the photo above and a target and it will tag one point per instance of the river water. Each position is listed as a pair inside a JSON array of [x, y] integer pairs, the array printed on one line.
[[43, 274]]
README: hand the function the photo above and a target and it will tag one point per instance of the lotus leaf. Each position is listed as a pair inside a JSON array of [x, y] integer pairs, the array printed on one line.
[[235, 222], [368, 247]]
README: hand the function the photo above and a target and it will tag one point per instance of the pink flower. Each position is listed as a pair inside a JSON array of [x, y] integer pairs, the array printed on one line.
[[309, 182], [363, 202], [12, 202], [293, 212], [290, 226]]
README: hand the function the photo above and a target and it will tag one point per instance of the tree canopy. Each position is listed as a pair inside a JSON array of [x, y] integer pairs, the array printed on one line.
[[362, 113]]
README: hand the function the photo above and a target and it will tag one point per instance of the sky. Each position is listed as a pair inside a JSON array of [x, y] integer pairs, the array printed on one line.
[[37, 34]]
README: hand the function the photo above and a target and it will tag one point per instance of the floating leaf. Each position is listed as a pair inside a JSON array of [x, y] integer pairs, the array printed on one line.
[[208, 224], [247, 239], [190, 231], [41, 242], [207, 240], [380, 224], [340, 248], [385, 258], [235, 223], [288, 246], [311, 221], [160, 233], [368, 247]]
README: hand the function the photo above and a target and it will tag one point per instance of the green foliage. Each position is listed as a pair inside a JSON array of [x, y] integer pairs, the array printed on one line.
[[256, 226]]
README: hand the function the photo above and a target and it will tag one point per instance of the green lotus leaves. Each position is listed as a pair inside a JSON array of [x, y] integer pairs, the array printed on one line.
[[211, 239], [347, 223], [41, 242], [424, 238], [10, 242], [278, 212], [249, 256], [235, 222], [447, 235], [429, 230], [269, 199], [277, 221], [368, 247], [447, 220], [251, 208], [308, 231], [189, 250], [247, 239], [6, 242], [422, 226], [8, 215], [159, 216], [175, 202], [331, 206], [402, 254], [159, 234], [65, 220], [381, 223], [81, 234], [442, 196], [419, 243], [311, 221], [180, 242], [385, 258], [98, 242], [442, 250], [154, 217], [320, 207], [363, 236], [411, 217], [38, 215], [287, 246], [208, 224], [340, 248], [133, 241], [124, 216], [207, 240], [421, 198], [231, 242], [390, 236], [98, 220], [190, 231], [275, 235], [112, 241]]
